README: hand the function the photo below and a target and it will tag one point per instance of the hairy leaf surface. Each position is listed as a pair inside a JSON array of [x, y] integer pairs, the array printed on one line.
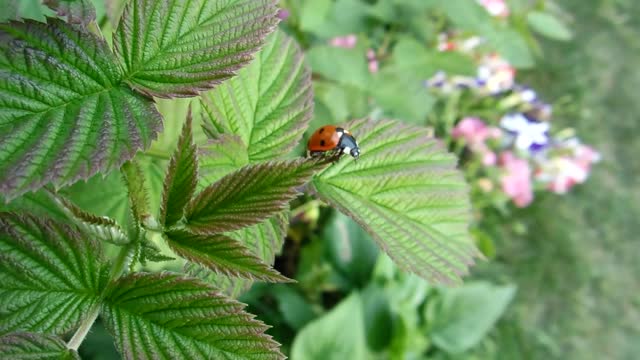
[[264, 240], [178, 48], [181, 179], [64, 112], [406, 192], [98, 227], [268, 105], [168, 316], [248, 196], [27, 346], [50, 275], [133, 176], [222, 254]]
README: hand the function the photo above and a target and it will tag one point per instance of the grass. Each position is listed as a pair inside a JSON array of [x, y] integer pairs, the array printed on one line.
[[578, 267]]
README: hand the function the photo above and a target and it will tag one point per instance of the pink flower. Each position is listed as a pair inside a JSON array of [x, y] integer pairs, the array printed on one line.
[[346, 42], [489, 158], [516, 180], [374, 66], [585, 156], [561, 173], [371, 55], [474, 131]]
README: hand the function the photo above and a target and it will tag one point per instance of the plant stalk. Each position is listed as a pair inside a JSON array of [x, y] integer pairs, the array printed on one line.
[[80, 334], [84, 328]]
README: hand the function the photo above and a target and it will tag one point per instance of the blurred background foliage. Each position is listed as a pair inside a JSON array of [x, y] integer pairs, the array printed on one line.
[[562, 276]]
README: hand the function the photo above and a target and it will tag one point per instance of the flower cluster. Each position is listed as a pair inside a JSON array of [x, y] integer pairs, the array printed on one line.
[[494, 74], [514, 148]]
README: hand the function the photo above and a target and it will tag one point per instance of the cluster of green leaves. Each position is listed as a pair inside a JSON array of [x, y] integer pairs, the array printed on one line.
[[382, 313], [72, 108]]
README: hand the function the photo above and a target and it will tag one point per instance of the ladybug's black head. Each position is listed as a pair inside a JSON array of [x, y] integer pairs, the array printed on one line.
[[355, 152]]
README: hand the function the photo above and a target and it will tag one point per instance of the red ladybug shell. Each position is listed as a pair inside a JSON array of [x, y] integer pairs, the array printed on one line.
[[325, 138]]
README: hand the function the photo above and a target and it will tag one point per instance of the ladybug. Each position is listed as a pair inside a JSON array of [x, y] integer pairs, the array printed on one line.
[[333, 140]]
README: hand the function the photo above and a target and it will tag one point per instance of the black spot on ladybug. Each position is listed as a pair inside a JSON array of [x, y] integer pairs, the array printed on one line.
[[321, 130], [322, 142]]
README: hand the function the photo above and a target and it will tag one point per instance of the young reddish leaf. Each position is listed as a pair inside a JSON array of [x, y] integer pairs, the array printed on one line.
[[268, 105], [181, 179], [264, 240], [150, 252], [51, 275], [248, 196], [137, 190], [98, 227], [76, 11], [222, 254], [407, 193], [168, 316], [23, 346], [64, 112], [179, 48]]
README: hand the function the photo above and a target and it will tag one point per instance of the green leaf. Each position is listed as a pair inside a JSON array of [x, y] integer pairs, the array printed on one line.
[[64, 112], [337, 335], [76, 11], [512, 46], [344, 17], [179, 48], [342, 101], [248, 196], [26, 346], [137, 189], [414, 58], [51, 275], [402, 95], [39, 203], [406, 192], [353, 69], [264, 240], [547, 25], [22, 9], [295, 309], [314, 13], [464, 315], [466, 15], [222, 254], [221, 156], [169, 316], [350, 249], [378, 319], [181, 179], [150, 252], [268, 105], [101, 228]]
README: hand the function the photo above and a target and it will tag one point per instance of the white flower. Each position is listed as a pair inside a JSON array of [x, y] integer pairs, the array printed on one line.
[[529, 134]]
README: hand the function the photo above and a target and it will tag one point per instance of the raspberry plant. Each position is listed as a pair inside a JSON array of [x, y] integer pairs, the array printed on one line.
[[72, 106]]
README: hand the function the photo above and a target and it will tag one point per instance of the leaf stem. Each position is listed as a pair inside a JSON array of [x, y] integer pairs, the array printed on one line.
[[80, 334], [84, 328], [121, 261], [157, 154]]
